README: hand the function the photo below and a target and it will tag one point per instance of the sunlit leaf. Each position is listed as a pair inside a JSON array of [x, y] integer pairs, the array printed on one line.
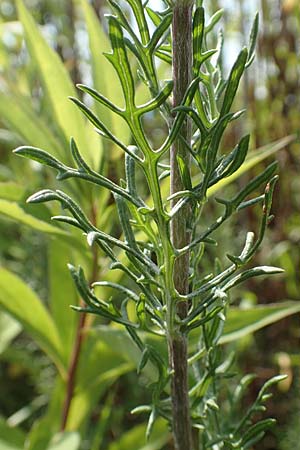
[[11, 191], [22, 303], [18, 113], [60, 283], [56, 82], [13, 211], [104, 76], [11, 438], [9, 329], [43, 429], [63, 441], [254, 158], [99, 366], [135, 438], [241, 322]]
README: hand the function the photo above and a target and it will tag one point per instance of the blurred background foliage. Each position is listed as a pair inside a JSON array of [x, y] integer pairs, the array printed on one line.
[[270, 93]]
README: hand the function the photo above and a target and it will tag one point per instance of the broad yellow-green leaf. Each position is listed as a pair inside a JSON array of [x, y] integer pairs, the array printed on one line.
[[135, 439], [56, 83], [10, 438], [11, 191], [39, 436], [99, 366], [65, 441], [15, 212], [62, 292], [22, 303], [19, 115], [45, 428], [119, 341], [241, 322]]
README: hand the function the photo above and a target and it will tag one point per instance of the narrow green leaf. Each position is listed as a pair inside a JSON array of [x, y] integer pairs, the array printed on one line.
[[124, 216], [64, 172], [233, 161], [23, 304], [256, 429], [40, 156], [210, 150], [130, 166], [134, 43], [184, 173], [264, 177], [233, 81], [47, 195], [215, 18], [253, 39], [139, 13], [154, 16], [242, 387], [198, 30], [254, 158], [101, 99], [251, 273], [164, 56], [159, 99], [159, 32], [119, 59], [119, 287], [180, 117]]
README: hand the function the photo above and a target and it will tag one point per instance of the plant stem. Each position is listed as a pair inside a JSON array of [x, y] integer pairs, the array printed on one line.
[[180, 234], [79, 337], [72, 371]]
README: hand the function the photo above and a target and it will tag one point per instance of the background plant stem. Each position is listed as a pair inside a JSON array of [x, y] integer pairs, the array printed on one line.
[[79, 338], [180, 235]]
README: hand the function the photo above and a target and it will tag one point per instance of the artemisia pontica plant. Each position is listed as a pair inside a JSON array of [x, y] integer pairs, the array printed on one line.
[[164, 235]]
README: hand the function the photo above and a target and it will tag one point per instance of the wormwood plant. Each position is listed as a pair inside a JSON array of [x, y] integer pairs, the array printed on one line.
[[164, 236]]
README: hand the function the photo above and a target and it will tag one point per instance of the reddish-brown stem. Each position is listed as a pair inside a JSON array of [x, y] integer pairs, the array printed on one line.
[[79, 337], [72, 370], [180, 235]]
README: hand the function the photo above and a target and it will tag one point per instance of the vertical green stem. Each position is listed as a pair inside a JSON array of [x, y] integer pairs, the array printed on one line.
[[180, 234]]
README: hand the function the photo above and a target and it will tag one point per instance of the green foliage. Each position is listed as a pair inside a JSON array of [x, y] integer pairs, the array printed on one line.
[[10, 439], [134, 439], [143, 304], [20, 301]]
